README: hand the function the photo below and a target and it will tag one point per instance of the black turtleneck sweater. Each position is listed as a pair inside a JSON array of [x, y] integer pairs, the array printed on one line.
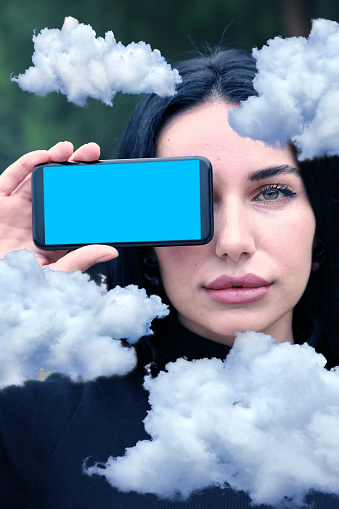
[[49, 428]]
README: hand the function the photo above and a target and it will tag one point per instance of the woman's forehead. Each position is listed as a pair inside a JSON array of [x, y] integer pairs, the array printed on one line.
[[204, 131]]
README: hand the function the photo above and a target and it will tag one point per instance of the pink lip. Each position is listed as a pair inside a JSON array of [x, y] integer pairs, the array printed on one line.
[[238, 289]]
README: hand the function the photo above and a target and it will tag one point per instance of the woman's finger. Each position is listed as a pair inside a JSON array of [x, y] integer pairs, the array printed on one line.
[[61, 152], [84, 258], [15, 174], [89, 152], [25, 189]]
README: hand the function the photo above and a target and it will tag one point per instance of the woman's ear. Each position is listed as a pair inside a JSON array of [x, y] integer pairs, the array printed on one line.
[[318, 252], [151, 267]]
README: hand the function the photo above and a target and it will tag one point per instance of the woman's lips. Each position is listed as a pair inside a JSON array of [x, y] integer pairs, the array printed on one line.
[[238, 289]]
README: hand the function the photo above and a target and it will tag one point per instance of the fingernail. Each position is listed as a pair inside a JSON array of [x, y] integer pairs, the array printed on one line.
[[106, 258]]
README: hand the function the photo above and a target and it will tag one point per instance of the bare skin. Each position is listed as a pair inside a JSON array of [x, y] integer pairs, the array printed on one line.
[[16, 210]]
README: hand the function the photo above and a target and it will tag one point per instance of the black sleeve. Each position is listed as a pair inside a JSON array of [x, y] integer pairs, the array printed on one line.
[[32, 420]]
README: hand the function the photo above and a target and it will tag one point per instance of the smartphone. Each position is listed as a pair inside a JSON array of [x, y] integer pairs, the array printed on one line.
[[123, 202]]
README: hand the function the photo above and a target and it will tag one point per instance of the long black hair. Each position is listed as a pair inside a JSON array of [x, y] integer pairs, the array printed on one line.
[[228, 74]]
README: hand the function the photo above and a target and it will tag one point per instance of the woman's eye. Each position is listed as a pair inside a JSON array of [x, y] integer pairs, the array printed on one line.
[[274, 193]]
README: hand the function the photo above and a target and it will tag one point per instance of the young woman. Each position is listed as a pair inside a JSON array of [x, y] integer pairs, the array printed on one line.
[[275, 221]]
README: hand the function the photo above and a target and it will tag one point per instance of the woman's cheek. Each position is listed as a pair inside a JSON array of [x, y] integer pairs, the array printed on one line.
[[180, 267]]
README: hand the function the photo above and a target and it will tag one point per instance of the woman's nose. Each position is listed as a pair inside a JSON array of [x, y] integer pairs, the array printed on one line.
[[234, 231]]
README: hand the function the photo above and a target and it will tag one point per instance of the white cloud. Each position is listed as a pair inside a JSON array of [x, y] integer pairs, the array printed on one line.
[[76, 63], [265, 420], [298, 93], [64, 322]]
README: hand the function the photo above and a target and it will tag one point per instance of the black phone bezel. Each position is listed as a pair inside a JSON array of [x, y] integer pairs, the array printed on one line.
[[206, 201]]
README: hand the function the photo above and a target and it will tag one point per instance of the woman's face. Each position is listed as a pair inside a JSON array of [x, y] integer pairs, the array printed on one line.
[[256, 267]]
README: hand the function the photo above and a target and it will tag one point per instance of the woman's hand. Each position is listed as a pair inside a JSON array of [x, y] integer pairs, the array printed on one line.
[[16, 210]]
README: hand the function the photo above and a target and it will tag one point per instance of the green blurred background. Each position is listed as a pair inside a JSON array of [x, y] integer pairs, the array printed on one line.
[[174, 27]]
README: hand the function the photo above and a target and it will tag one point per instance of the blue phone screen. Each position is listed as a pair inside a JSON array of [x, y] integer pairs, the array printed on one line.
[[132, 202]]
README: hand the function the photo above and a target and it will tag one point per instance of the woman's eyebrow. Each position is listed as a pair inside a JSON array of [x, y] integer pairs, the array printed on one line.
[[266, 173]]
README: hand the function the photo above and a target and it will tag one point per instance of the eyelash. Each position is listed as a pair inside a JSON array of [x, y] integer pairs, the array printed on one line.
[[288, 193]]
